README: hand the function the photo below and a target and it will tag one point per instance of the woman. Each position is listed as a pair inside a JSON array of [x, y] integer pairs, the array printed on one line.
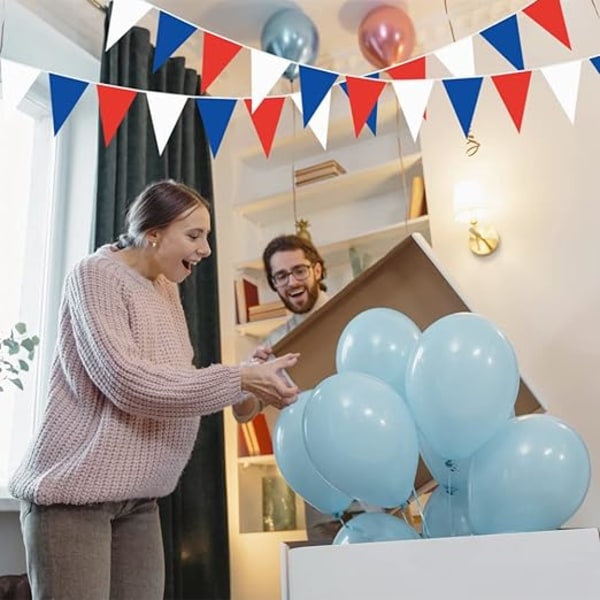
[[124, 407]]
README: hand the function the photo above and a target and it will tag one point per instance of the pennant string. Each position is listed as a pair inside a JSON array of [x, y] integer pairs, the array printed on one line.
[[402, 169], [450, 21], [294, 208]]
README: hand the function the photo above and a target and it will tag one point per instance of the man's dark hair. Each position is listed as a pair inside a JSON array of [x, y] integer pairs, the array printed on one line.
[[285, 243]]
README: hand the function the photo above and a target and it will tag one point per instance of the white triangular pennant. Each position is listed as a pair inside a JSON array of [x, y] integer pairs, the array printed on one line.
[[458, 57], [165, 110], [319, 122], [17, 79], [124, 15], [564, 81], [266, 69], [413, 96]]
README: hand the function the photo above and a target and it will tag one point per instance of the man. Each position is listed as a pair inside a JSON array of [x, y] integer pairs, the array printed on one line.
[[295, 271]]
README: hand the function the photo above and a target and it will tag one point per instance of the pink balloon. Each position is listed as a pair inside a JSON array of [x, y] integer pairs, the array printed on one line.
[[386, 36]]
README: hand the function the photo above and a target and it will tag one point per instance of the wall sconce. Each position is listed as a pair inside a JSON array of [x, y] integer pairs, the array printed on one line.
[[470, 207]]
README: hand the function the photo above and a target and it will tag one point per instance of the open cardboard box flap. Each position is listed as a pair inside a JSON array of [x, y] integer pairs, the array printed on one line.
[[406, 279]]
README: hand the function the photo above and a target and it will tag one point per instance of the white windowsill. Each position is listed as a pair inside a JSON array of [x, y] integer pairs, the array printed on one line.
[[7, 502]]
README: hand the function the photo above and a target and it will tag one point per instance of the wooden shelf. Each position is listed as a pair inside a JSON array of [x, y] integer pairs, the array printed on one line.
[[379, 240], [344, 189], [260, 329], [262, 460]]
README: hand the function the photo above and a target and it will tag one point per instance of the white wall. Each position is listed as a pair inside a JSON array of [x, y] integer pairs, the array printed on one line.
[[30, 41], [542, 286]]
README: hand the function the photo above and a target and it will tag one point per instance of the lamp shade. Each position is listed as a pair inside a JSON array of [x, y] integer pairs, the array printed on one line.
[[468, 201]]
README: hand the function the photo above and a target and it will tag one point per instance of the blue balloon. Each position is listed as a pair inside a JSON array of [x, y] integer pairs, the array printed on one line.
[[290, 34], [450, 473], [297, 468], [374, 527], [446, 514], [461, 383], [361, 437], [379, 342], [531, 476]]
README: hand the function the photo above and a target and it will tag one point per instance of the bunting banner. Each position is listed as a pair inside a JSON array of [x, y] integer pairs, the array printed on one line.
[[409, 80], [218, 51]]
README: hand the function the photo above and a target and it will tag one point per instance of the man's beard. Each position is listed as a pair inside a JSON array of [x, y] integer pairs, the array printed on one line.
[[313, 294]]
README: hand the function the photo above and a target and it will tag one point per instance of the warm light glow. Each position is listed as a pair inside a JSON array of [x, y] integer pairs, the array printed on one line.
[[468, 201]]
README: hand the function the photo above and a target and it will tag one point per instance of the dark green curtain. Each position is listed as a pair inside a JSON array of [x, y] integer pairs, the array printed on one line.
[[194, 517]]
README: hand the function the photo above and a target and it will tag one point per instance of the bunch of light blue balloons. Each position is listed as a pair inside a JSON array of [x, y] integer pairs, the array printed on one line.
[[446, 394]]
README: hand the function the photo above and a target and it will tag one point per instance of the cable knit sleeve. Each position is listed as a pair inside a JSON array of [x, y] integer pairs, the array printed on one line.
[[105, 346]]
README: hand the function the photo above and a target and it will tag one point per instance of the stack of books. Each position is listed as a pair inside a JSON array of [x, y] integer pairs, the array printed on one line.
[[318, 172], [267, 310], [254, 437]]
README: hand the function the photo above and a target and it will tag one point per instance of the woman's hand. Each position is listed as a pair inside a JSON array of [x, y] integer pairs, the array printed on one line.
[[260, 354], [266, 381]]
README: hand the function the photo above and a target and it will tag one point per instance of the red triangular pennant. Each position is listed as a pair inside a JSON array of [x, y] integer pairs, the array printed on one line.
[[413, 69], [513, 89], [265, 119], [217, 53], [549, 15], [114, 102], [363, 95]]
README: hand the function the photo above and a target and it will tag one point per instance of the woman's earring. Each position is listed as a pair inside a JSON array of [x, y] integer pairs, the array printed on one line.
[[153, 243]]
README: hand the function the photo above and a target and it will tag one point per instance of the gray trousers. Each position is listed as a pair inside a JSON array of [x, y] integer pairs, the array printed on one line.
[[104, 551]]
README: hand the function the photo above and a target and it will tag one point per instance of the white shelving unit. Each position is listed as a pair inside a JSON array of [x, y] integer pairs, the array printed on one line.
[[355, 218]]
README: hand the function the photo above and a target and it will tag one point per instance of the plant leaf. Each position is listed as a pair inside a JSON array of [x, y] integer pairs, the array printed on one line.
[[28, 344], [17, 382], [36, 340], [24, 366], [21, 328]]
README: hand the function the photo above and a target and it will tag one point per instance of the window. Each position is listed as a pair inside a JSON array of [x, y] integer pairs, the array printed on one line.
[[26, 213]]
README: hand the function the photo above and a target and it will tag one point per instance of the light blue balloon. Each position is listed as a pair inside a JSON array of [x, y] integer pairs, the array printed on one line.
[[290, 34], [531, 476], [446, 514], [379, 342], [374, 527], [361, 437], [451, 474], [295, 464], [461, 383]]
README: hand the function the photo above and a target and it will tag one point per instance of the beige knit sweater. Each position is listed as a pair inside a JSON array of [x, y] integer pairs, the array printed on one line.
[[124, 401]]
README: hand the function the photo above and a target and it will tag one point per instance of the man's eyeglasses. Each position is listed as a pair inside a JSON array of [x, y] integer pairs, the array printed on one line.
[[300, 273]]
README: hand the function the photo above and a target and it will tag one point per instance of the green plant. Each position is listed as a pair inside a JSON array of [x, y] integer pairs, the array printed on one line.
[[16, 352]]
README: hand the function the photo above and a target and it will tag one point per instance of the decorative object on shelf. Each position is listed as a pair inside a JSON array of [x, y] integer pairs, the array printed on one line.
[[290, 34], [17, 350], [359, 262], [279, 504], [471, 207], [318, 172], [302, 231], [386, 36]]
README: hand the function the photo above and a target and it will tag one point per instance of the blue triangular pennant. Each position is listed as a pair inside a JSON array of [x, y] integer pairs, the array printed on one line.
[[504, 37], [372, 120], [64, 93], [172, 32], [463, 94], [595, 60], [314, 85], [215, 114]]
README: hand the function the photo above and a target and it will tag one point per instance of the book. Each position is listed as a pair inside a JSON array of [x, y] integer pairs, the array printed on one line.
[[246, 296], [243, 448], [267, 310], [418, 206], [257, 436]]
